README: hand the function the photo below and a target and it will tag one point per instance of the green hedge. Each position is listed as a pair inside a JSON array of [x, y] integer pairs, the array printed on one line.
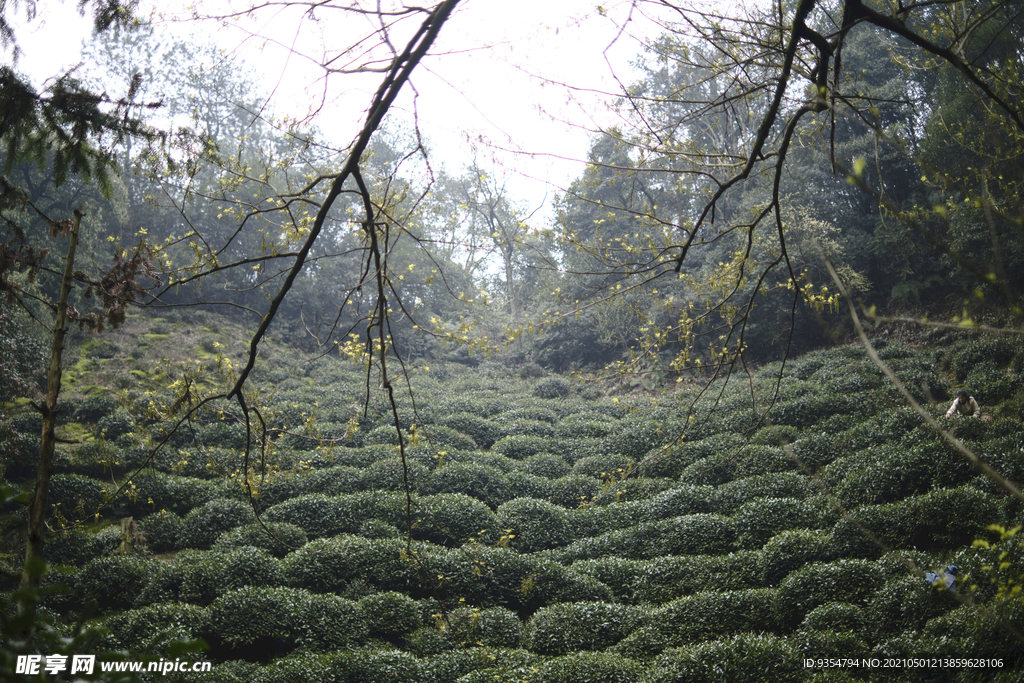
[[390, 615], [565, 628], [535, 524], [757, 521], [331, 565], [586, 667], [452, 519], [483, 482], [278, 538], [113, 582], [710, 615], [688, 535], [490, 626], [255, 623], [852, 581], [137, 630], [739, 659], [202, 526]]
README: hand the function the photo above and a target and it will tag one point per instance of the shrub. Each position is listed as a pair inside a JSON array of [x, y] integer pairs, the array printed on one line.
[[603, 467], [836, 616], [546, 465], [905, 604], [574, 490], [137, 630], [791, 550], [485, 483], [441, 436], [491, 626], [671, 461], [278, 538], [688, 535], [852, 581], [749, 658], [328, 622], [452, 519], [569, 627], [552, 387], [483, 432], [521, 446], [536, 524], [332, 565], [113, 582], [729, 497], [114, 425], [71, 547], [391, 474], [710, 615], [775, 435], [833, 645], [523, 485], [93, 408], [997, 350], [587, 667], [74, 496], [681, 500], [151, 490], [162, 531], [632, 489], [390, 615], [255, 623], [203, 525], [759, 520]]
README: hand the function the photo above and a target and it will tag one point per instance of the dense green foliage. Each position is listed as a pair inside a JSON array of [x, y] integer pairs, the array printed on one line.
[[570, 555]]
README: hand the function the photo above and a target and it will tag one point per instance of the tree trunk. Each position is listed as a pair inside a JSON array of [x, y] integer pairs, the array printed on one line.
[[31, 573]]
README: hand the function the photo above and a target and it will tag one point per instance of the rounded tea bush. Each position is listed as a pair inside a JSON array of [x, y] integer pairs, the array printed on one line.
[[490, 626], [255, 623], [852, 581], [535, 524], [278, 538], [521, 446], [328, 623], [134, 630], [570, 627], [452, 519], [203, 525], [588, 667], [546, 465], [113, 582], [552, 387], [710, 615], [390, 615], [748, 658], [835, 616]]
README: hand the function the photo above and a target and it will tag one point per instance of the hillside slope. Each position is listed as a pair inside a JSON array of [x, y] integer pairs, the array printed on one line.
[[550, 532]]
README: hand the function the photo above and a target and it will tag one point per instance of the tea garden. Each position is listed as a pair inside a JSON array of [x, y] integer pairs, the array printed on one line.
[[553, 531]]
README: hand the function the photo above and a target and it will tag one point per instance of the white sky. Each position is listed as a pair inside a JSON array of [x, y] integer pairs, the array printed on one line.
[[488, 87]]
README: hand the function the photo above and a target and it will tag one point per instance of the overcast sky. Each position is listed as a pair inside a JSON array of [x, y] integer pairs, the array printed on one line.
[[494, 88]]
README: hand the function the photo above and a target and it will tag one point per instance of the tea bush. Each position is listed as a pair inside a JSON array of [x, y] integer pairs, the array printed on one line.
[[535, 524], [833, 645], [552, 387], [759, 520], [574, 490], [633, 489], [483, 431], [202, 526], [664, 579], [389, 615], [546, 465], [564, 628], [729, 497], [491, 627], [852, 581], [689, 535], [331, 565], [76, 497], [277, 538], [836, 616], [255, 623], [485, 483], [603, 467], [521, 446], [711, 615], [750, 658], [791, 550], [587, 667], [152, 491], [112, 582], [135, 630], [452, 519]]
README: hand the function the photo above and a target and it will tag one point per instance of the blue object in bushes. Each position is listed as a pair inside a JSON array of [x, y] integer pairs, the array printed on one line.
[[945, 579]]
